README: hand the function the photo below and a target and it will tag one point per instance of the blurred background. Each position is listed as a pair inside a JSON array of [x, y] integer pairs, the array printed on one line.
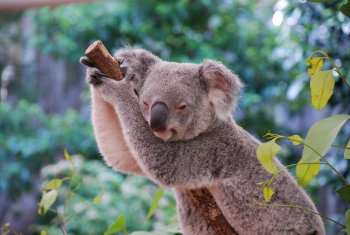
[[45, 107]]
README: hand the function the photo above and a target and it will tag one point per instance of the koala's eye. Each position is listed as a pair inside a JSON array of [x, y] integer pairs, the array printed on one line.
[[182, 107], [136, 93]]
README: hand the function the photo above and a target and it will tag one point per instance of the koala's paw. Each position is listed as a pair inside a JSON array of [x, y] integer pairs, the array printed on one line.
[[95, 77]]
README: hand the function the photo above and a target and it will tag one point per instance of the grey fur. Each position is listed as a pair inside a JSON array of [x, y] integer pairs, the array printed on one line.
[[206, 147]]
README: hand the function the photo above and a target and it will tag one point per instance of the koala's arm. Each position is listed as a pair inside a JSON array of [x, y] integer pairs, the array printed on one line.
[[110, 138], [197, 162]]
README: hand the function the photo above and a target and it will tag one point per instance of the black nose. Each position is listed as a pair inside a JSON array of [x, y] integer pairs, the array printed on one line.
[[159, 115]]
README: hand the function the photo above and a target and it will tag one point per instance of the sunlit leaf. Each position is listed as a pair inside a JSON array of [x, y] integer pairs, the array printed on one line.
[[296, 139], [53, 184], [322, 85], [97, 200], [158, 195], [306, 172], [315, 64], [347, 151], [118, 225], [268, 192], [347, 221], [67, 156], [265, 153], [47, 200], [344, 193], [345, 9], [43, 232], [318, 140]]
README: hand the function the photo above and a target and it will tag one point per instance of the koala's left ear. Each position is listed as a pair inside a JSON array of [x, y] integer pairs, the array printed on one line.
[[223, 86]]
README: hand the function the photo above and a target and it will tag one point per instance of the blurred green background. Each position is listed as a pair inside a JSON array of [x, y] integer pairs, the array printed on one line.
[[45, 108]]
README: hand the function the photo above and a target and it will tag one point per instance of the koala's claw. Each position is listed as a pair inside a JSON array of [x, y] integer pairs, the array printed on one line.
[[94, 80], [86, 61]]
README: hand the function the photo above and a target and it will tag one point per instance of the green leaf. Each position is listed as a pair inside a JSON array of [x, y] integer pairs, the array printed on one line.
[[118, 225], [347, 151], [315, 64], [306, 172], [344, 193], [322, 85], [265, 153], [53, 184], [67, 156], [268, 192], [318, 140], [345, 8], [296, 139], [47, 200], [158, 195], [347, 221], [43, 232], [97, 200]]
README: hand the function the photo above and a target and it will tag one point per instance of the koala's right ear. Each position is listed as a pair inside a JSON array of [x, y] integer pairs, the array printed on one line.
[[137, 63], [222, 85]]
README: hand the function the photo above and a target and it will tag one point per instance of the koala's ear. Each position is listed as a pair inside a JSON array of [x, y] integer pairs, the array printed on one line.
[[222, 85], [137, 63]]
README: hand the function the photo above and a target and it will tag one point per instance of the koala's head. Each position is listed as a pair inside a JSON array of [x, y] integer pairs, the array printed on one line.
[[179, 100]]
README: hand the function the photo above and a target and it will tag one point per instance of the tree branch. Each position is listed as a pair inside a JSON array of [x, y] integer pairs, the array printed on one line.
[[201, 198]]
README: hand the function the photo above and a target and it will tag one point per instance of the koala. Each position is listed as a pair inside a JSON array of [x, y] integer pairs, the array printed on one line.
[[172, 123]]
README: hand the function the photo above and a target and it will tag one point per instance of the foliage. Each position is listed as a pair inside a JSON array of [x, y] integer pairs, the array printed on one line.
[[30, 139], [90, 195], [317, 142]]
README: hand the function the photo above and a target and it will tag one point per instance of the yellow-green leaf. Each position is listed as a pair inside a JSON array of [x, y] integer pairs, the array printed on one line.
[[67, 156], [97, 200], [158, 195], [53, 184], [47, 200], [318, 140], [322, 85], [268, 192], [296, 139], [43, 232], [306, 172], [347, 221], [347, 151], [344, 193], [265, 153], [118, 225], [315, 64]]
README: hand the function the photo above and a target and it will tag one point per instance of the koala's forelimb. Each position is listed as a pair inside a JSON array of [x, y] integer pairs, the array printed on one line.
[[97, 56]]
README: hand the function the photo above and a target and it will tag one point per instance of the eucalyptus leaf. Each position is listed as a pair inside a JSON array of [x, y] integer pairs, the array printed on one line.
[[347, 221], [318, 140], [47, 200], [53, 184], [158, 195], [344, 193], [268, 192], [315, 64], [347, 151], [67, 156], [296, 139], [118, 225], [322, 85], [265, 153]]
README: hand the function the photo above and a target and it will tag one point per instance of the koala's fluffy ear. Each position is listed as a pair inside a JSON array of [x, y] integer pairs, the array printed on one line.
[[137, 63], [222, 85]]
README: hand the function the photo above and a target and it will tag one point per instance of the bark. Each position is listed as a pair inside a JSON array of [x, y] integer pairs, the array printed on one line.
[[201, 198]]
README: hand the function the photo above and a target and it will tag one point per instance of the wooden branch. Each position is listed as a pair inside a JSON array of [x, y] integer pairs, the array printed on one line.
[[201, 198]]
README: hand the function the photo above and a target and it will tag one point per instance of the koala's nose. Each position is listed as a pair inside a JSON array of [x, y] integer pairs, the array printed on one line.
[[159, 115]]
